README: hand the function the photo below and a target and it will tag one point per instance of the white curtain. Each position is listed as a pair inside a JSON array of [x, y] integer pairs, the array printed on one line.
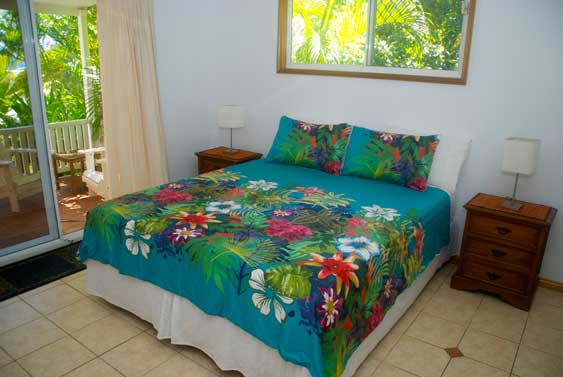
[[133, 133]]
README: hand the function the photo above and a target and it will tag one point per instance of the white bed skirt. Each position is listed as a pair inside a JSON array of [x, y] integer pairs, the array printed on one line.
[[231, 348]]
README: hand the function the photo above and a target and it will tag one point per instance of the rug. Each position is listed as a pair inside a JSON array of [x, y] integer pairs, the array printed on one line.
[[34, 272]]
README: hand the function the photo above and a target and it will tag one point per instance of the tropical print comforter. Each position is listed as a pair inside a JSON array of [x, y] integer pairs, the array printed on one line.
[[307, 262]]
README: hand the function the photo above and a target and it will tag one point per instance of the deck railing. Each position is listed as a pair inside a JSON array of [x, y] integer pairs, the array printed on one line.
[[18, 144]]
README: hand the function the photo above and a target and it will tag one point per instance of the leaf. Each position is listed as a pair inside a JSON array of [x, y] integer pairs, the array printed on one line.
[[152, 225], [290, 280]]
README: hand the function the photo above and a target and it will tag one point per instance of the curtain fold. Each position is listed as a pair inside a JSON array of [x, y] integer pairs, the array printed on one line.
[[133, 131]]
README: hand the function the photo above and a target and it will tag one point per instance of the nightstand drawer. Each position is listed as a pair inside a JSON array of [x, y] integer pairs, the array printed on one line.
[[495, 276], [206, 166], [505, 231], [498, 253]]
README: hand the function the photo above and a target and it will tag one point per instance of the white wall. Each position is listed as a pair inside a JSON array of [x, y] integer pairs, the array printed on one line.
[[223, 52]]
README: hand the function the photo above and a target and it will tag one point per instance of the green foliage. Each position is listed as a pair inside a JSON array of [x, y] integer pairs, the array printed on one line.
[[63, 85], [152, 225], [289, 280], [418, 34]]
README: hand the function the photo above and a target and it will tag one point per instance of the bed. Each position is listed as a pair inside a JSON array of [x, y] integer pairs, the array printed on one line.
[[270, 269]]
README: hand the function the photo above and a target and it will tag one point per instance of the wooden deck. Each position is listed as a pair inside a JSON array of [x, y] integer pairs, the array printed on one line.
[[31, 222]]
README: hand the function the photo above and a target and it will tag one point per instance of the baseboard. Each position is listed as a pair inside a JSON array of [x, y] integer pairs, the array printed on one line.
[[545, 283], [551, 284]]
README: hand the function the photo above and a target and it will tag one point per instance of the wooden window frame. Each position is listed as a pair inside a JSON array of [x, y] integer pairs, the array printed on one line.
[[458, 77]]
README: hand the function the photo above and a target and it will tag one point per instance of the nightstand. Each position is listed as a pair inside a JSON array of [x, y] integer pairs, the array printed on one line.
[[502, 249], [216, 158]]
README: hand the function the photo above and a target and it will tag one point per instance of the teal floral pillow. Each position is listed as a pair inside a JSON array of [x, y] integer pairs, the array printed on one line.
[[316, 146], [401, 159]]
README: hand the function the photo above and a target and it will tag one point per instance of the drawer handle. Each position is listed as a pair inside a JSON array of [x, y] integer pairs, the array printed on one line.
[[498, 253], [492, 276], [503, 231]]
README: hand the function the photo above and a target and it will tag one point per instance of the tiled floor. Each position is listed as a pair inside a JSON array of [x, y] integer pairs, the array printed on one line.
[[60, 330]]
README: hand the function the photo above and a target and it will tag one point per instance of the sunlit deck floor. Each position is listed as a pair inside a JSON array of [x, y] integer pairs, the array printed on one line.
[[30, 223]]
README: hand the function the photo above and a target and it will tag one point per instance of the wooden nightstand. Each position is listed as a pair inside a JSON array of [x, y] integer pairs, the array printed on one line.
[[502, 250], [216, 158]]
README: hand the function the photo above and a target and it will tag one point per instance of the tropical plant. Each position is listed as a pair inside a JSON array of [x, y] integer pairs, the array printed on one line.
[[406, 33]]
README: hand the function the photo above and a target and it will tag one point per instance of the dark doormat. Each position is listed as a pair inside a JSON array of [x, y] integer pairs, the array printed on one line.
[[34, 272]]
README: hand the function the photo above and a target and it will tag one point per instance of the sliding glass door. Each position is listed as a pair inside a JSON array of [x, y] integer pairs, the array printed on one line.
[[28, 214]]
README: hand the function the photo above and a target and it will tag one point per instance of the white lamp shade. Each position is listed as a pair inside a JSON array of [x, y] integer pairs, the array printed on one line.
[[520, 155], [230, 117]]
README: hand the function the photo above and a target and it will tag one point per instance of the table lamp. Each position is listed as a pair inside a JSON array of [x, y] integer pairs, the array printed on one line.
[[231, 117], [520, 157]]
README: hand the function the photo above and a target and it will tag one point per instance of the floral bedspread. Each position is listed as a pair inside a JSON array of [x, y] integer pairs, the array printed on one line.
[[306, 262]]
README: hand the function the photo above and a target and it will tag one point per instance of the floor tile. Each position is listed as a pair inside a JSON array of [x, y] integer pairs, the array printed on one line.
[[489, 349], [13, 370], [56, 359], [417, 357], [30, 337], [368, 367], [40, 289], [200, 357], [16, 314], [78, 315], [453, 305], [4, 358], [54, 299], [133, 319], [498, 318], [548, 296], [9, 301], [389, 370], [532, 363], [436, 331], [94, 368], [464, 367], [551, 316], [406, 321], [387, 343], [179, 366], [79, 284], [138, 355], [106, 333], [543, 338], [77, 275], [422, 300]]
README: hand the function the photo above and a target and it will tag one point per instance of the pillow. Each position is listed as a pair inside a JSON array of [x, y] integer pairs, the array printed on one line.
[[316, 146], [402, 159], [449, 158]]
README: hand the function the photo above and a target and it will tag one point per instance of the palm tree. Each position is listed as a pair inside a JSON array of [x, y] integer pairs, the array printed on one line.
[[336, 31], [15, 108]]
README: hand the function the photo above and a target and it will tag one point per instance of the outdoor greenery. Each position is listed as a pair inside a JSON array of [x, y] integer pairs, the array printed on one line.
[[61, 66], [422, 34]]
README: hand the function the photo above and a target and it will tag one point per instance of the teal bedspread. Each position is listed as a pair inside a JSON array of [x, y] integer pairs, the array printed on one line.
[[307, 262]]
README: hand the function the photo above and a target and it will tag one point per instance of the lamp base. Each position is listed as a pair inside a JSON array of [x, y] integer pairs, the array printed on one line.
[[231, 151], [511, 204]]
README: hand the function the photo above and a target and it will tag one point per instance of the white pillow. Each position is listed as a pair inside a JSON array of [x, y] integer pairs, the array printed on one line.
[[450, 155]]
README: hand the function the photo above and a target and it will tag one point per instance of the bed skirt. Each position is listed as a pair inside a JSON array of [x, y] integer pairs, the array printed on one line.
[[231, 348]]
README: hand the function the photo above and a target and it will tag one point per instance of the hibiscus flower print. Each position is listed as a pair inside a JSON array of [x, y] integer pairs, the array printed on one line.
[[135, 241], [284, 229], [361, 246], [170, 196], [378, 213], [182, 235], [194, 219], [224, 208], [330, 307], [264, 297], [342, 269], [262, 185]]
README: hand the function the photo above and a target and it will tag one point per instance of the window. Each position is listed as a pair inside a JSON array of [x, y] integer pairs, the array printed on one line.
[[417, 40]]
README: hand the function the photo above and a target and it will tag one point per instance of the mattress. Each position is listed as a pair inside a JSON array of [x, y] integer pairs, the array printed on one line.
[[308, 263]]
